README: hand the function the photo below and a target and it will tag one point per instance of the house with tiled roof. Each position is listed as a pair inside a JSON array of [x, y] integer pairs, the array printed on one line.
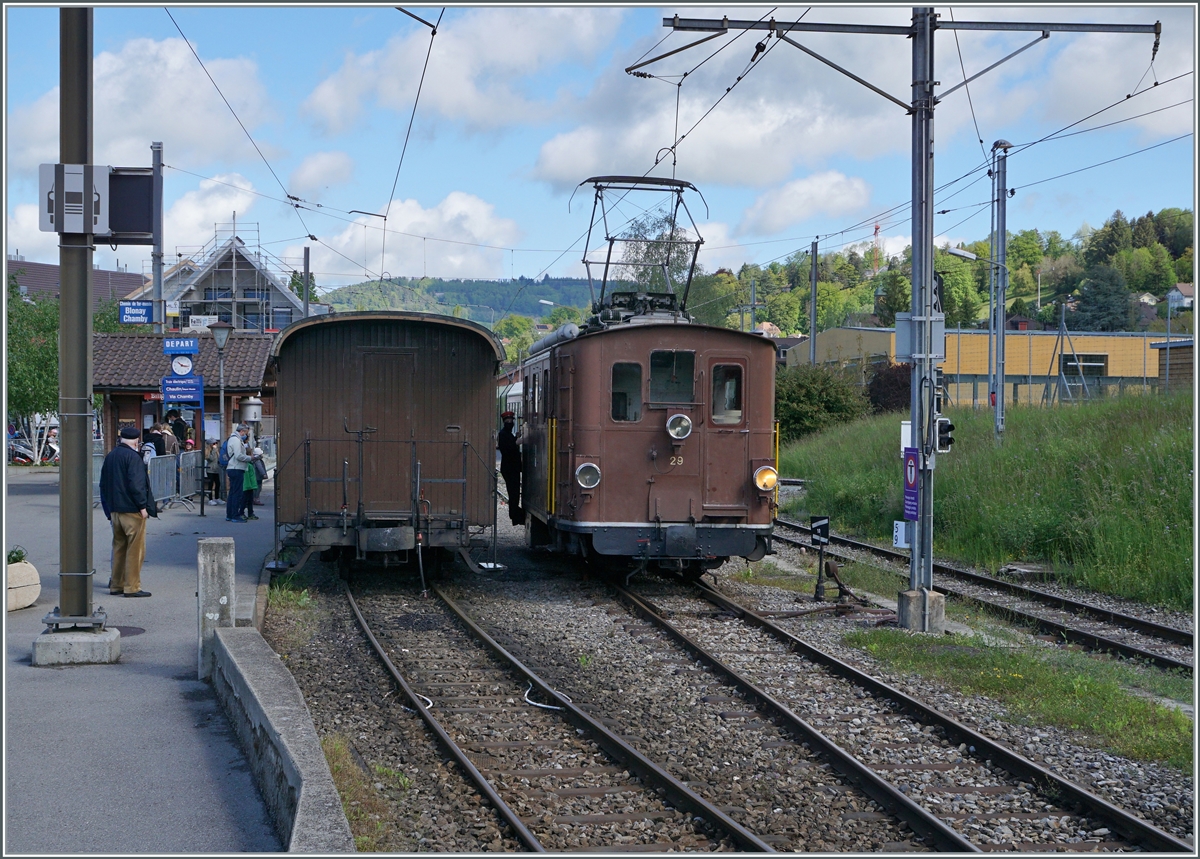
[[229, 282], [128, 369], [41, 280], [1180, 296]]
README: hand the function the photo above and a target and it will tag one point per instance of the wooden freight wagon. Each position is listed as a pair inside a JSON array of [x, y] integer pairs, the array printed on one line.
[[386, 432]]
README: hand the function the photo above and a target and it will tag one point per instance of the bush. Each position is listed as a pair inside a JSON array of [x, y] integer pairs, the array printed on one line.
[[890, 387], [811, 398]]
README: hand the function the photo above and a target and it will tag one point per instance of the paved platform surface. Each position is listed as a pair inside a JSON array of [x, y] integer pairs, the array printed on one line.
[[135, 757]]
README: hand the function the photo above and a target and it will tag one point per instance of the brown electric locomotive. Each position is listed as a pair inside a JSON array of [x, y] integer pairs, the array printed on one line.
[[650, 439]]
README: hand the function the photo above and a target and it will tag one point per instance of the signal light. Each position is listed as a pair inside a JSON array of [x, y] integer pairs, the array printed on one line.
[[765, 478], [679, 427], [944, 437], [588, 475]]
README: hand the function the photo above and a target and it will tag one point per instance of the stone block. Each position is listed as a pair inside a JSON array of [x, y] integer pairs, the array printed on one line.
[[216, 600], [24, 585], [77, 647], [910, 609]]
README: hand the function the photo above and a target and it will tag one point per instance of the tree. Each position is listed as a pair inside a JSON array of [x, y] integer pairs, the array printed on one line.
[[1019, 308], [1185, 267], [32, 358], [810, 398], [1115, 236], [896, 296], [1174, 227], [1024, 249], [889, 389], [561, 315], [296, 285], [960, 299], [712, 297], [783, 310], [1056, 245], [646, 250], [1104, 302], [1145, 232], [519, 332]]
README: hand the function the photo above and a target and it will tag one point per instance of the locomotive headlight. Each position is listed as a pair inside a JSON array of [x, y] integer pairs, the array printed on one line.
[[587, 475], [766, 478], [679, 427]]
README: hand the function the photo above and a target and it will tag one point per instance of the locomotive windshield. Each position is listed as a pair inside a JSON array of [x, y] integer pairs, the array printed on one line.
[[627, 392], [672, 378], [727, 394]]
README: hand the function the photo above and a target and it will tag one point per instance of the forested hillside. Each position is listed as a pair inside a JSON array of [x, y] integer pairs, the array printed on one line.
[[1103, 277]]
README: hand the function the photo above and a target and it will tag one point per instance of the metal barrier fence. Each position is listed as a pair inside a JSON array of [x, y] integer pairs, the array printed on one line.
[[162, 478], [191, 474], [97, 465]]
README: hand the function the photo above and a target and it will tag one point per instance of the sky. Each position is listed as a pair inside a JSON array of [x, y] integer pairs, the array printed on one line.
[[519, 105]]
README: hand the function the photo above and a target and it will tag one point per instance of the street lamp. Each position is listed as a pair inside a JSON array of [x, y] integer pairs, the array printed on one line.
[[220, 332]]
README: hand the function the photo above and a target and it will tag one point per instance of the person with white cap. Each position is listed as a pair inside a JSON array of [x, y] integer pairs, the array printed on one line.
[[127, 501]]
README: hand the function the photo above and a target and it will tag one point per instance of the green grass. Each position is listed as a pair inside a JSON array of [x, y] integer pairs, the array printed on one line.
[[366, 810], [1062, 689], [1103, 490], [289, 591]]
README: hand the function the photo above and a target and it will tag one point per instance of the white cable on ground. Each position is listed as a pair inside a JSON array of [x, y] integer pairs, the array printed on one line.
[[536, 704]]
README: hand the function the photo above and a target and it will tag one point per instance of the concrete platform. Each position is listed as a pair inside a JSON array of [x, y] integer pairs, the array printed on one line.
[[76, 647], [135, 756]]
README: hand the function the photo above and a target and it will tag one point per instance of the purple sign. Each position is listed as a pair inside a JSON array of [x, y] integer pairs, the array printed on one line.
[[912, 478]]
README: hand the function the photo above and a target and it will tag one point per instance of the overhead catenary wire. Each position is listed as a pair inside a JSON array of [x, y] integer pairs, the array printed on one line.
[[408, 132], [249, 137], [970, 101]]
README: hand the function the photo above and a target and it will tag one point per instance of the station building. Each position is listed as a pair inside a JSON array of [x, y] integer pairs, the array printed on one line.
[[1109, 362]]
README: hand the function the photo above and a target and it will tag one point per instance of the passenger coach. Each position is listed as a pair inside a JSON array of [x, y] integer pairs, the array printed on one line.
[[386, 432]]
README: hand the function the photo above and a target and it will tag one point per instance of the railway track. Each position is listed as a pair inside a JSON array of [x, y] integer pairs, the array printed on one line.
[[1093, 627], [990, 797], [559, 778]]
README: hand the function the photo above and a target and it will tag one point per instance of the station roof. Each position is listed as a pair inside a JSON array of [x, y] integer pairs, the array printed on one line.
[[136, 362]]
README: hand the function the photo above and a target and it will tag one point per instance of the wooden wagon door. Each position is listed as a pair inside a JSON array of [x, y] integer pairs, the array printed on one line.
[[726, 441], [387, 405]]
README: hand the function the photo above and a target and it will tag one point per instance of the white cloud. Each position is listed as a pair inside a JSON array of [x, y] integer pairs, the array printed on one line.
[[720, 248], [23, 236], [151, 90], [319, 171], [482, 69], [462, 222], [189, 222], [830, 193]]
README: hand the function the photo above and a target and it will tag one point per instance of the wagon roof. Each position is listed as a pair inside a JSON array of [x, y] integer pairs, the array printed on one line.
[[397, 315]]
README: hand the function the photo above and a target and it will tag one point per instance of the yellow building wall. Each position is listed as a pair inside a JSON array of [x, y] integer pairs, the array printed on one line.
[[1027, 353]]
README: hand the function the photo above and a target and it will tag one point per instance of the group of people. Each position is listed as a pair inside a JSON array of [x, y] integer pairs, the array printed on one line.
[[168, 437], [245, 472], [128, 500]]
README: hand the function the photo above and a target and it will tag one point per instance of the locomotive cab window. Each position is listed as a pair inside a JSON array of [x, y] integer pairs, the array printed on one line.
[[727, 394], [626, 392], [672, 377]]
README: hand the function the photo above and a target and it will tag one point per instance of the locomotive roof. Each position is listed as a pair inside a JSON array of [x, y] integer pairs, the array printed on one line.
[[697, 327], [396, 315]]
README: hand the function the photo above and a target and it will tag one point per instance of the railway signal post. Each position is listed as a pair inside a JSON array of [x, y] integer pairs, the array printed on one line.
[[922, 328]]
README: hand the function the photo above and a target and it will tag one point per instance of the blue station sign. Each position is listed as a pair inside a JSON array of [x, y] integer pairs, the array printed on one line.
[[181, 346], [135, 312], [183, 389]]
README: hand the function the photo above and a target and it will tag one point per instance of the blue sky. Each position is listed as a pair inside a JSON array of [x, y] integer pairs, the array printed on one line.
[[519, 105]]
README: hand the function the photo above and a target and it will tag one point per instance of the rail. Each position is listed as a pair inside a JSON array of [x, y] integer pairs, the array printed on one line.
[[1126, 823], [1076, 636]]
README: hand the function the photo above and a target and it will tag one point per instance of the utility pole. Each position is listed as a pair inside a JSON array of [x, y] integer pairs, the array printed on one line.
[[306, 281], [812, 316], [1000, 150], [156, 253], [75, 324], [924, 350]]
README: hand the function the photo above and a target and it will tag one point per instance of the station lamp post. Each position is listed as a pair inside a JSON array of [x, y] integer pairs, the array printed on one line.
[[220, 332]]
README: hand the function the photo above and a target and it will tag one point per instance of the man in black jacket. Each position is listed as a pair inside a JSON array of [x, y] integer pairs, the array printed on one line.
[[127, 501], [510, 467]]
